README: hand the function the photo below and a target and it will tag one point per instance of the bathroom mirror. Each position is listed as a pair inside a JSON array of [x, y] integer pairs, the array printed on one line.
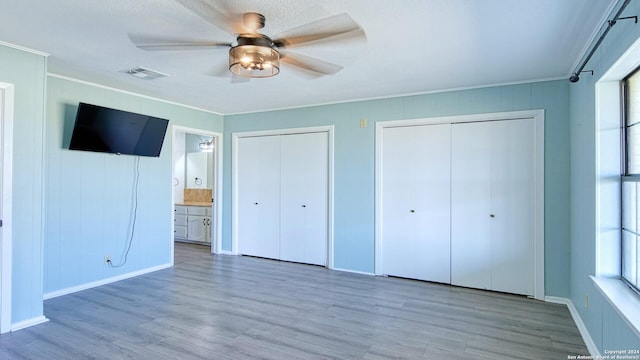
[[198, 161], [193, 154]]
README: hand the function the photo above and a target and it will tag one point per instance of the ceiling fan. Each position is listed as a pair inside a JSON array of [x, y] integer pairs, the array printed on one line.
[[255, 54]]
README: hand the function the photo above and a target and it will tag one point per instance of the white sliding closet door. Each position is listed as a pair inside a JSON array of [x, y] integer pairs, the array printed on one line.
[[304, 199], [283, 196], [493, 204], [259, 196], [470, 205], [416, 202], [513, 196]]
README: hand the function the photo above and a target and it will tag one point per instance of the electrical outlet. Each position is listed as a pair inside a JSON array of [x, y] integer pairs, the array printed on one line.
[[586, 301], [107, 259], [363, 123]]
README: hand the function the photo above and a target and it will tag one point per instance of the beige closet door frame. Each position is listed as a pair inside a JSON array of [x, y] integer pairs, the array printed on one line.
[[538, 116]]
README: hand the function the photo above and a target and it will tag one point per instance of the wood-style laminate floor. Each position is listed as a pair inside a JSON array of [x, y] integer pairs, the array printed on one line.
[[230, 307]]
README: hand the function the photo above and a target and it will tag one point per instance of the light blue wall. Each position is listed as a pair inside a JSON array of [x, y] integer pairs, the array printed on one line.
[[88, 196], [88, 201], [27, 72], [354, 161], [605, 326]]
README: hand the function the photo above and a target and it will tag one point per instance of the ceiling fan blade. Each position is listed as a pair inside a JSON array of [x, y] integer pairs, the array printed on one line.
[[222, 71], [219, 69], [332, 26], [154, 43], [230, 24], [314, 65]]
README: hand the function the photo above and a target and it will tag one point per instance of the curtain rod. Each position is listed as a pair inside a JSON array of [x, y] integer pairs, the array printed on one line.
[[609, 24]]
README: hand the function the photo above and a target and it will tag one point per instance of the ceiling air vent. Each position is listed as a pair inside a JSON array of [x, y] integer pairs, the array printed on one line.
[[144, 73]]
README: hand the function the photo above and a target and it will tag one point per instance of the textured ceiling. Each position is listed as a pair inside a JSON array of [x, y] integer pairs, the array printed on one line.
[[411, 46]]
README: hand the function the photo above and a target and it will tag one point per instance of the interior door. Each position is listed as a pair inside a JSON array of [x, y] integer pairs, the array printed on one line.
[[493, 204], [259, 196], [304, 198], [513, 206], [471, 205], [416, 202]]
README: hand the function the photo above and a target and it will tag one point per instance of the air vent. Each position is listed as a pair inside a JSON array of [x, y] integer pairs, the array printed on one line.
[[144, 73]]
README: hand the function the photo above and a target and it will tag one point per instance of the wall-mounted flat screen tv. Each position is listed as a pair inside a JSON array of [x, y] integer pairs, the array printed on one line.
[[102, 129]]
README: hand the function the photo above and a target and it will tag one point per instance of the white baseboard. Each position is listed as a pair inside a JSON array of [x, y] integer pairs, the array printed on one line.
[[591, 345], [29, 322], [70, 290]]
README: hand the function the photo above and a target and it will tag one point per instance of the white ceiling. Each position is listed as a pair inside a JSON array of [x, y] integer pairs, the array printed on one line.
[[412, 46]]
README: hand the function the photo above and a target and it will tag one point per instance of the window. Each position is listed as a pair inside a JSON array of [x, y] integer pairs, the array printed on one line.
[[631, 180]]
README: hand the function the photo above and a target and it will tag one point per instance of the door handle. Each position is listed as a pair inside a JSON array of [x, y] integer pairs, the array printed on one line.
[[413, 211], [304, 205], [492, 215]]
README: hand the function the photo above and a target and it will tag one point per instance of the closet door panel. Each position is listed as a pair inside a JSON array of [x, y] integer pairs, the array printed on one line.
[[398, 188], [433, 202], [304, 200], [292, 186], [259, 196], [493, 205], [316, 199], [513, 202], [471, 205], [415, 202]]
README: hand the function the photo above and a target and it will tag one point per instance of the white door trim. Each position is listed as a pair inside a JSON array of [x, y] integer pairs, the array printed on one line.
[[216, 209], [234, 180], [537, 115], [6, 239]]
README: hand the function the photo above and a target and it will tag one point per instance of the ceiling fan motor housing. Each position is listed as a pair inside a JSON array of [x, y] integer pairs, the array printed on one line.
[[253, 21]]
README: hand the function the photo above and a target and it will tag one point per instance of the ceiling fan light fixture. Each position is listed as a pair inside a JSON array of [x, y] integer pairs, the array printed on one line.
[[254, 57], [257, 55]]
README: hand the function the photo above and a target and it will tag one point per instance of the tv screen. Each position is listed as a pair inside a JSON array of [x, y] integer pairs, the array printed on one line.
[[102, 129]]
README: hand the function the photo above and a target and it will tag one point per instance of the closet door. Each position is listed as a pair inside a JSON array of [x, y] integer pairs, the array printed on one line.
[[493, 204], [259, 196], [513, 204], [416, 202], [304, 198], [471, 205]]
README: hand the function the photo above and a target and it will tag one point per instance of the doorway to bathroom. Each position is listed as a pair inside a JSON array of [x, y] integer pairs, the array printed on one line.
[[197, 168]]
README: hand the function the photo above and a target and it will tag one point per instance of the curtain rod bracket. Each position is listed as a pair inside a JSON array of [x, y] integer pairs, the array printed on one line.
[[576, 76], [607, 26], [613, 22]]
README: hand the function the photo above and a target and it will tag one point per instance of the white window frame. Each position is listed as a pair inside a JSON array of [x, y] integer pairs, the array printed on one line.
[[608, 190], [627, 177]]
